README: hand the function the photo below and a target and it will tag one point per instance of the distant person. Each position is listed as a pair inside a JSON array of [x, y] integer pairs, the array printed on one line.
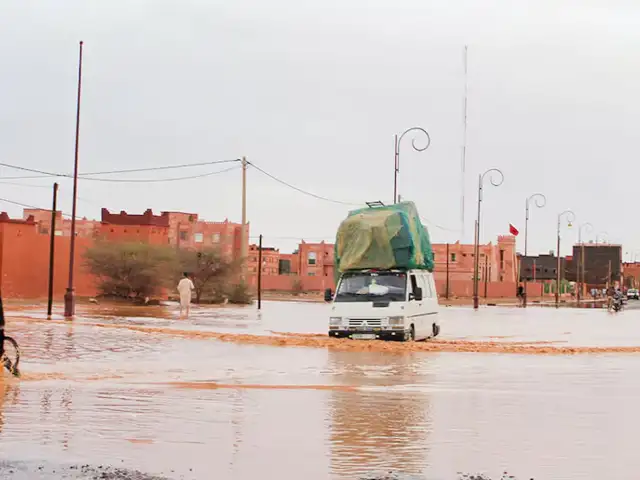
[[611, 292], [520, 294], [185, 288]]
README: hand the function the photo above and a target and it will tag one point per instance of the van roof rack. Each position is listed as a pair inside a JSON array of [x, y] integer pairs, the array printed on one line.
[[377, 203]]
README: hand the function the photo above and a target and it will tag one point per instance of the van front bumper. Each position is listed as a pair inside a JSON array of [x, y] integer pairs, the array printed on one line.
[[386, 334]]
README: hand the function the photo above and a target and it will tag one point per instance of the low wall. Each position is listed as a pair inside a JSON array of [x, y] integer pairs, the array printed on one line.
[[457, 288], [286, 283]]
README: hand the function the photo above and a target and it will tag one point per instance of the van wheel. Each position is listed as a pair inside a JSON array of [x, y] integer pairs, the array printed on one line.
[[435, 329], [412, 334]]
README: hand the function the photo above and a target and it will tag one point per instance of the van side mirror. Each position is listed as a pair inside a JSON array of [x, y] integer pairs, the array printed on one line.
[[416, 295], [328, 295]]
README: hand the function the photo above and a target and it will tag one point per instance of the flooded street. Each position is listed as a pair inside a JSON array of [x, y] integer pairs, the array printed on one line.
[[116, 387]]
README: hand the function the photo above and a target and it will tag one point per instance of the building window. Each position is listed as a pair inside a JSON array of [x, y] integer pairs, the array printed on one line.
[[453, 257], [501, 259], [215, 238], [183, 235], [311, 258], [198, 237], [58, 233], [312, 274]]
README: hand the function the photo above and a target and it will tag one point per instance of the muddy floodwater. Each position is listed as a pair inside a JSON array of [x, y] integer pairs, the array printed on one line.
[[233, 394]]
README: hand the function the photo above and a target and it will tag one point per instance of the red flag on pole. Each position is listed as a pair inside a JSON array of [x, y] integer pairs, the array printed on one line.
[[513, 230]]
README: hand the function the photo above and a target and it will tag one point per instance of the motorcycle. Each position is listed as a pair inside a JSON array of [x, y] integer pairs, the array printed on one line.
[[618, 303]]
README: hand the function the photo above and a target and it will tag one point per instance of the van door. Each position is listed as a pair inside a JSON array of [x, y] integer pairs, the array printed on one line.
[[414, 306], [425, 329]]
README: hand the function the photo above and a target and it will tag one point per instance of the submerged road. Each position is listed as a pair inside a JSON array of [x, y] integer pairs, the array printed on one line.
[[147, 404]]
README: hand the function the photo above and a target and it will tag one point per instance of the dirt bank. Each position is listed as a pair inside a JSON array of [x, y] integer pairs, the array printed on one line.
[[286, 339]]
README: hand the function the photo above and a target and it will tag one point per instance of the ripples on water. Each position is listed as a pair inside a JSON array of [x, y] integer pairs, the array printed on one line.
[[117, 397]]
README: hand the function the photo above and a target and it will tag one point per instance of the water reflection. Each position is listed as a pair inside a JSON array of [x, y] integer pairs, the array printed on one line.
[[378, 429]]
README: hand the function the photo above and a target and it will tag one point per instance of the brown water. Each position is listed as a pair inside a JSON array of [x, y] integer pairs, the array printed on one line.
[[189, 407]]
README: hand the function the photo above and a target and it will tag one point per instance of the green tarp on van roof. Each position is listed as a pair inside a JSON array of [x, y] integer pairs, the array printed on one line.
[[387, 236]]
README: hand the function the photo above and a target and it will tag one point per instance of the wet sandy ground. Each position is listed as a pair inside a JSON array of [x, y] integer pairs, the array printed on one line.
[[138, 389]]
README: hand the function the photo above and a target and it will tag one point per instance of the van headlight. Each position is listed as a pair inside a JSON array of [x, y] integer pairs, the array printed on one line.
[[335, 321], [399, 320]]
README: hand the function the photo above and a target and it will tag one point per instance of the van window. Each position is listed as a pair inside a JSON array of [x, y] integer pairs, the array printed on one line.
[[414, 284], [370, 286], [427, 293]]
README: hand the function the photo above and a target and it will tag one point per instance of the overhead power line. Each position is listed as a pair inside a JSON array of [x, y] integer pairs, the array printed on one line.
[[26, 205], [168, 167], [158, 180], [298, 189], [86, 176]]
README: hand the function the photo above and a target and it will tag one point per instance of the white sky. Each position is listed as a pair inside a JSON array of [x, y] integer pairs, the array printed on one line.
[[313, 92]]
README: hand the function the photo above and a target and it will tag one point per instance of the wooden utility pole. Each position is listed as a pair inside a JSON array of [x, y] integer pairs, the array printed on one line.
[[260, 272], [52, 246], [446, 291], [69, 296], [244, 239]]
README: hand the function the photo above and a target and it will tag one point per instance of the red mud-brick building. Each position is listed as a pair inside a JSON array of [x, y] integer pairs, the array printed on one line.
[[24, 250], [270, 261], [24, 261], [24, 245]]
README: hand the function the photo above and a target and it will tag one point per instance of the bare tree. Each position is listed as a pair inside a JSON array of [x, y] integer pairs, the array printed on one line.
[[130, 270], [211, 272]]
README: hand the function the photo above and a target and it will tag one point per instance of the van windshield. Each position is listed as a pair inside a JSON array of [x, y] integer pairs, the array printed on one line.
[[372, 286]]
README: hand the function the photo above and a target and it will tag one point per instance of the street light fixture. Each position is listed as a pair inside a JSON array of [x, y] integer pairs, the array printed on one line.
[[476, 253], [588, 228], [539, 200], [570, 219], [397, 154]]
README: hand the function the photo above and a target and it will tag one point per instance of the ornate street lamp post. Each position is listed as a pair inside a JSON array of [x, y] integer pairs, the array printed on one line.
[[539, 200], [398, 140], [476, 250], [570, 219]]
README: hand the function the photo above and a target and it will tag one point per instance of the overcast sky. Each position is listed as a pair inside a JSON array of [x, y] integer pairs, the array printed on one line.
[[313, 93]]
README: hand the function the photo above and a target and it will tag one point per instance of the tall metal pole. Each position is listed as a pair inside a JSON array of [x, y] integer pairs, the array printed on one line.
[[52, 247], [580, 263], [464, 149], [396, 168], [260, 272], [540, 201], [69, 297], [534, 276], [446, 291], [489, 172], [244, 239], [583, 281], [398, 140], [486, 274], [570, 218], [475, 266]]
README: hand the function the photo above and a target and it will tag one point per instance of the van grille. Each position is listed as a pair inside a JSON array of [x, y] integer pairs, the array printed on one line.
[[360, 322]]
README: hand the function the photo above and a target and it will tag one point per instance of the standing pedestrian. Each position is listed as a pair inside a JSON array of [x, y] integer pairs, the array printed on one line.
[[185, 289], [521, 294]]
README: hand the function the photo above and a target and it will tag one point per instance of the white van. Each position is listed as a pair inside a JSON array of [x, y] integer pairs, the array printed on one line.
[[384, 304]]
